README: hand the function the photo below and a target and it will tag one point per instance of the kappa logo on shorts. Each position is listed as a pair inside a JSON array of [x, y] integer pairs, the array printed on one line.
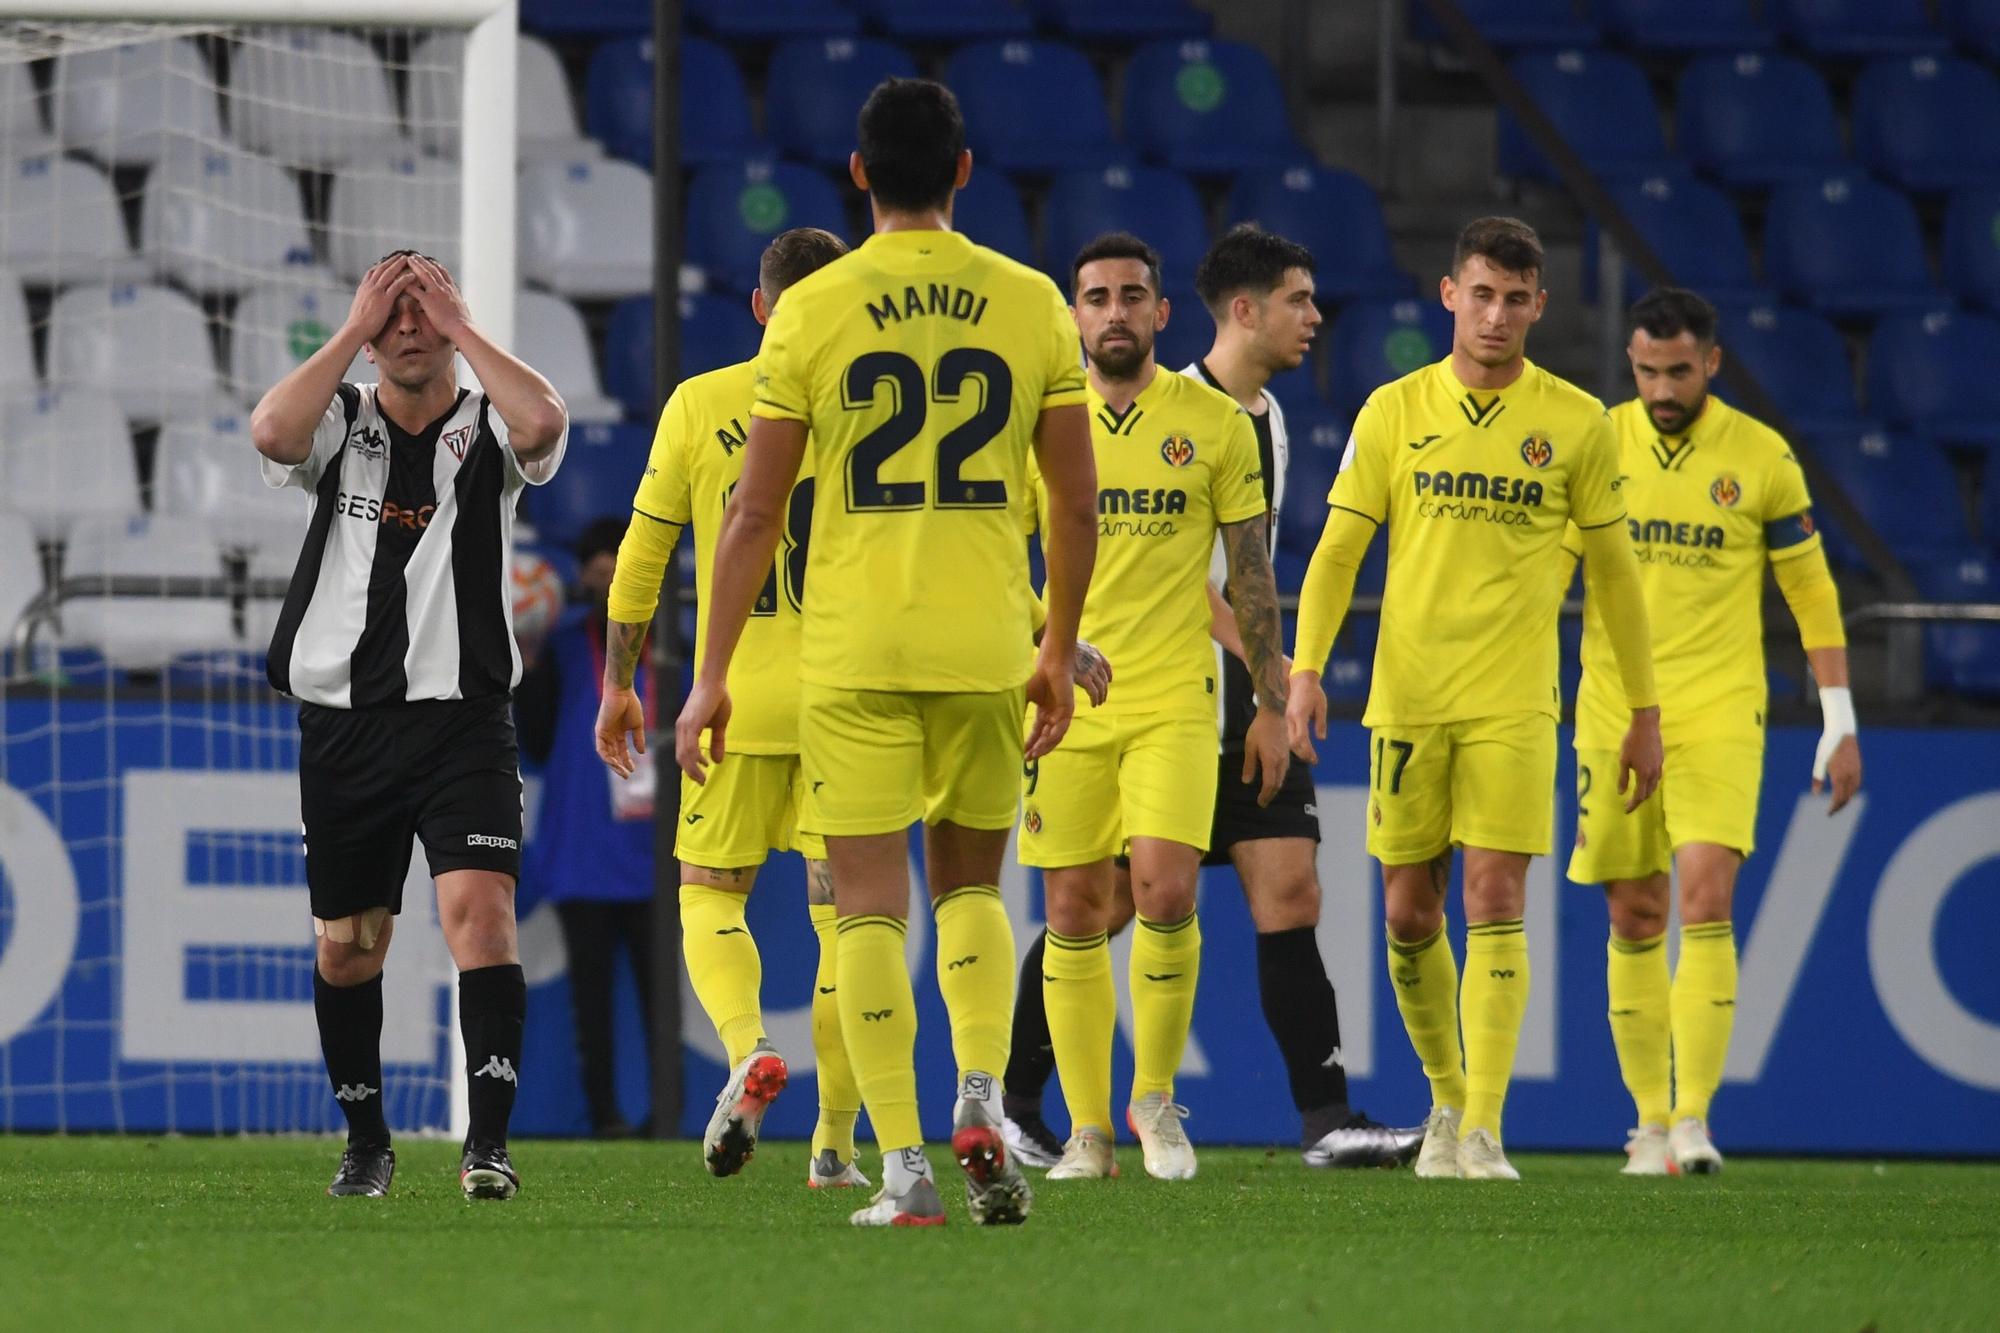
[[500, 1067], [354, 1092], [1032, 821], [1312, 809], [1178, 450], [491, 840]]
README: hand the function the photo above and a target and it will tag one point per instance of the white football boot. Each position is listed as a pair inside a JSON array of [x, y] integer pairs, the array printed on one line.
[[1480, 1158], [1438, 1158], [1693, 1152], [918, 1206], [1157, 1122], [828, 1172], [1646, 1152], [1087, 1156], [731, 1140]]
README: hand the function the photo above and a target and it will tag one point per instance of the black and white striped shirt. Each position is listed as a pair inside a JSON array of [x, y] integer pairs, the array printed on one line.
[[403, 589]]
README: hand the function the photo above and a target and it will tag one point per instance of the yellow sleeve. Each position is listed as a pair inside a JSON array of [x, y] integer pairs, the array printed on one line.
[[1611, 582], [1572, 555], [1594, 501], [1809, 590], [1236, 482], [782, 384], [1789, 530], [660, 508], [1363, 483], [1063, 382], [1329, 585]]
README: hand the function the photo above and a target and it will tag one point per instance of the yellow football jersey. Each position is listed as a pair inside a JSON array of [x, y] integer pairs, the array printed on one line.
[[696, 460], [1707, 508], [921, 362], [1475, 486], [1177, 465]]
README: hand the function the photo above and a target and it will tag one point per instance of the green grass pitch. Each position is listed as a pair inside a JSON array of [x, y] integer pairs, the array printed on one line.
[[237, 1233]]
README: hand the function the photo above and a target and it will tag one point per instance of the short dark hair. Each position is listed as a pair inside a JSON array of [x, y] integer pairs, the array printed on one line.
[[1246, 258], [909, 134], [398, 254], [1116, 245], [794, 254], [600, 537], [1506, 243], [1668, 312]]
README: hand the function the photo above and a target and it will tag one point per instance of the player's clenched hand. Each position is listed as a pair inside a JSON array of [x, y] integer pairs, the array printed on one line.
[[1640, 758], [375, 298], [1265, 754], [1305, 715], [619, 716], [1843, 768], [1052, 690], [1093, 672], [706, 709]]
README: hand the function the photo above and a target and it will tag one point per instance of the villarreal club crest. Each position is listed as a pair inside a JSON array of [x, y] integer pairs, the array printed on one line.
[[1725, 490], [1178, 450], [1537, 451]]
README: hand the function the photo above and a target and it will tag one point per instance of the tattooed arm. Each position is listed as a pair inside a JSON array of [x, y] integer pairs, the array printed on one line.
[[1254, 598], [635, 596]]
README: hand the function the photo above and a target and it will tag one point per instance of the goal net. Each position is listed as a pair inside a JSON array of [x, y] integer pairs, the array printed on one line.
[[184, 211]]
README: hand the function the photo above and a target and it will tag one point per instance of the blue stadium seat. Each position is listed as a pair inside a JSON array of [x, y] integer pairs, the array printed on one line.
[[1685, 25], [716, 124], [1847, 245], [1695, 231], [989, 211], [1189, 332], [1972, 246], [1906, 489], [1207, 107], [716, 331], [1123, 20], [1032, 106], [1333, 213], [733, 211], [1936, 374], [1755, 120], [598, 475], [1989, 503], [949, 20], [1513, 23], [1318, 437], [1601, 104], [1800, 360], [1962, 656], [588, 18], [1151, 202], [773, 20], [628, 356], [1928, 123], [815, 89], [1299, 385], [1845, 29], [1374, 342], [1975, 24]]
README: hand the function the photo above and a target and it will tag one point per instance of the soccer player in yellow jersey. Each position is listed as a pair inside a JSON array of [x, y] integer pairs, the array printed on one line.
[[1475, 463], [924, 368], [1177, 463], [1712, 495], [729, 826]]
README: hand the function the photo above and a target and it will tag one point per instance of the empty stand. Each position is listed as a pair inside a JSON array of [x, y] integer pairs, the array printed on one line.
[[1694, 230], [20, 571], [587, 227], [1603, 107], [67, 455], [1373, 342], [144, 633], [1936, 373], [988, 210], [949, 20], [717, 329], [312, 95], [1685, 25], [1800, 360], [1755, 119], [733, 211], [276, 328], [1964, 657], [1209, 107], [1156, 204], [147, 346], [773, 19], [1122, 20], [219, 220], [1849, 29], [18, 377], [1333, 213], [716, 124], [545, 111], [815, 90], [1514, 23], [588, 17], [1928, 123], [599, 474], [376, 207], [1972, 246], [207, 472], [1032, 106], [1847, 246], [129, 104], [549, 335], [1906, 489], [60, 222]]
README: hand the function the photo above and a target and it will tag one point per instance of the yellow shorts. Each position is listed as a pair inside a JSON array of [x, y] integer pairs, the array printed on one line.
[[878, 761], [1707, 793], [1113, 778], [751, 806], [1488, 782]]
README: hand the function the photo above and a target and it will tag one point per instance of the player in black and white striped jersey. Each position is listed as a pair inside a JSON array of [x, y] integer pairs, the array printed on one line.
[[396, 638]]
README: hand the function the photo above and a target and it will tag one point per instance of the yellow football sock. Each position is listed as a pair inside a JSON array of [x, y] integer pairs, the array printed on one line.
[[1635, 979], [878, 1021], [839, 1099], [1166, 963], [723, 966], [975, 969], [1492, 1000], [1704, 1011], [1426, 977], [1082, 1011]]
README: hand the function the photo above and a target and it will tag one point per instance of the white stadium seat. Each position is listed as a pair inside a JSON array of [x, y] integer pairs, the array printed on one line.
[[131, 104], [20, 571], [314, 96], [549, 335], [149, 346], [587, 227], [208, 472], [276, 328], [67, 455], [21, 132], [393, 205], [545, 113], [60, 222], [144, 632], [17, 346], [218, 219]]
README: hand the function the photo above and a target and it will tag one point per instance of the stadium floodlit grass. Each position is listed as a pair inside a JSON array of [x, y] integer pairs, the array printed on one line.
[[193, 1233]]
